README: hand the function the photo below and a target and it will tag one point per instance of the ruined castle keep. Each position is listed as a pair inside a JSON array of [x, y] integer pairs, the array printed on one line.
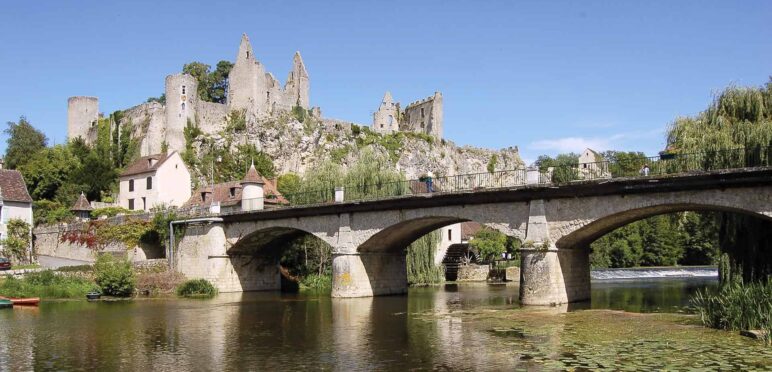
[[251, 89], [424, 116]]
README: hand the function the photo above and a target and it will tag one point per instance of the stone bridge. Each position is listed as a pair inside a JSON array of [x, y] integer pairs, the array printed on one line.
[[556, 223]]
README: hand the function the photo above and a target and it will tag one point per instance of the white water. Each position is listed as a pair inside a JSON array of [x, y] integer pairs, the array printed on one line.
[[654, 272]]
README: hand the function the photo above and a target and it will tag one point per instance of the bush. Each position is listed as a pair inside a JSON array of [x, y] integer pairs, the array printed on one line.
[[76, 269], [46, 284], [196, 288], [109, 212], [316, 282], [115, 277], [158, 281], [48, 212]]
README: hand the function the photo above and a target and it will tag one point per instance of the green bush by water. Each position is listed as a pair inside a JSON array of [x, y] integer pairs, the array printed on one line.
[[737, 307], [114, 276], [317, 283], [196, 288], [46, 284]]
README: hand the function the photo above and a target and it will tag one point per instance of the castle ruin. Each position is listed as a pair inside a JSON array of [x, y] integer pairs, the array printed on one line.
[[424, 116], [251, 90]]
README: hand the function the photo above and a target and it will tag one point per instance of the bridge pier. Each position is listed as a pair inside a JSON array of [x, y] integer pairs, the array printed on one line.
[[366, 274]]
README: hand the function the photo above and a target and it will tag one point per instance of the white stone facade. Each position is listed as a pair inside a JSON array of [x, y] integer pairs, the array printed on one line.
[[168, 184]]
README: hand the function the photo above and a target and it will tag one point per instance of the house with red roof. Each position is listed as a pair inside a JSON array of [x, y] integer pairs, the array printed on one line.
[[15, 201]]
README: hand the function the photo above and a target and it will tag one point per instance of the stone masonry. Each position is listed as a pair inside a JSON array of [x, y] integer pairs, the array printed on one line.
[[424, 116]]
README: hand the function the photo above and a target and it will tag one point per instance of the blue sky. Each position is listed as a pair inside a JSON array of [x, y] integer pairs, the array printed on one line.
[[548, 77]]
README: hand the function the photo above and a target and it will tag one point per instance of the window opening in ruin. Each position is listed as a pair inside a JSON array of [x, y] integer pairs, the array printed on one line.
[[131, 204], [183, 106], [268, 95], [203, 196], [183, 89], [247, 54], [391, 119], [422, 112], [233, 192], [422, 125], [381, 125]]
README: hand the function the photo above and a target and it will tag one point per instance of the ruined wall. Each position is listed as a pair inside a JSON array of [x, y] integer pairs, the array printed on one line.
[[148, 123], [82, 114], [210, 117], [386, 119], [424, 116], [246, 82]]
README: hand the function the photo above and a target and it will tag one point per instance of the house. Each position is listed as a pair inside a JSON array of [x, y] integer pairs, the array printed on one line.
[[15, 201], [254, 192], [592, 165], [155, 180]]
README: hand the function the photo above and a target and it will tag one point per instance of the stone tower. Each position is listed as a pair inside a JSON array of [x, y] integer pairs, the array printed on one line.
[[82, 114], [424, 116], [386, 119], [246, 82], [296, 88], [181, 101]]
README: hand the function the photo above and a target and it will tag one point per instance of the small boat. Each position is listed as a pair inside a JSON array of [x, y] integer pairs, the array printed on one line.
[[93, 296], [4, 304], [32, 301]]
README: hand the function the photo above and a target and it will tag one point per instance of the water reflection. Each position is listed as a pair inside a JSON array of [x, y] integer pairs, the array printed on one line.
[[447, 327]]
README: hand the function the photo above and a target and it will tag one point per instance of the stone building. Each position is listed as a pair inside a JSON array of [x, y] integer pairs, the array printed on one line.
[[155, 180], [424, 116], [251, 89], [15, 201], [252, 193]]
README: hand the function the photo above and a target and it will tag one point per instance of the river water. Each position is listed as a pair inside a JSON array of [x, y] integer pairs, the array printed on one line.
[[450, 327]]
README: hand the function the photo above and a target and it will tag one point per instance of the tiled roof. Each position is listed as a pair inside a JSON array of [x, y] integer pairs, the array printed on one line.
[[145, 165], [252, 176], [12, 186], [468, 229], [222, 194], [81, 204]]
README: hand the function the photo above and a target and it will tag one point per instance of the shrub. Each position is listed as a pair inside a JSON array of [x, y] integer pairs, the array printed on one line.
[[156, 280], [196, 288], [110, 212], [48, 212], [317, 283], [17, 242], [115, 277], [76, 269]]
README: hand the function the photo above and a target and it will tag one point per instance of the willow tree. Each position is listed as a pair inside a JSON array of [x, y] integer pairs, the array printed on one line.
[[740, 119]]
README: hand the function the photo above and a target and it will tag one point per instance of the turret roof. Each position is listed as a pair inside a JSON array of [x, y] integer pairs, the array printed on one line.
[[253, 176], [82, 204]]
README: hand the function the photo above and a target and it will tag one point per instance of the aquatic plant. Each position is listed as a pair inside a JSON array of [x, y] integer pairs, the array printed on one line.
[[196, 288], [46, 284], [317, 282], [737, 306]]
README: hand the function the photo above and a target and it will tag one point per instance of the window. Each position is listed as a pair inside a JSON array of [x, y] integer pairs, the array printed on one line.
[[268, 95], [247, 54], [422, 125], [381, 125], [131, 204], [144, 204], [183, 89], [203, 196], [131, 186], [450, 234], [183, 106], [150, 183], [233, 192], [422, 112], [391, 119]]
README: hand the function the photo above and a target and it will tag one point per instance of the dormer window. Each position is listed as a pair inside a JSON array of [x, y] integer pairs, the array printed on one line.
[[233, 192]]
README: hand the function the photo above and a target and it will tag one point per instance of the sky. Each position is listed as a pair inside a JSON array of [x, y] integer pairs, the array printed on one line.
[[547, 77]]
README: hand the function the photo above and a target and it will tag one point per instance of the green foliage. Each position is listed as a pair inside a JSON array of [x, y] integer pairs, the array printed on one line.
[[110, 211], [212, 85], [307, 256], [392, 143], [17, 241], [356, 129], [47, 170], [564, 167], [625, 164], [115, 277], [160, 99], [23, 141], [46, 212], [373, 175], [288, 184], [300, 114], [737, 307], [236, 121], [492, 163], [489, 244], [46, 284], [421, 269], [201, 288], [317, 283]]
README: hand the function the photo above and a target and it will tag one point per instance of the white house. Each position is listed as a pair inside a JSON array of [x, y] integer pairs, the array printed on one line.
[[154, 180], [15, 201], [592, 165]]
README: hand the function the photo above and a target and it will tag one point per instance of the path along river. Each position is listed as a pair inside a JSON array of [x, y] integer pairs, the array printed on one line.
[[633, 324]]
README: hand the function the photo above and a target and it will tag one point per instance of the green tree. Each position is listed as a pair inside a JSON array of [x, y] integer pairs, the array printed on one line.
[[489, 244], [289, 184], [47, 170], [565, 167], [23, 142], [212, 85]]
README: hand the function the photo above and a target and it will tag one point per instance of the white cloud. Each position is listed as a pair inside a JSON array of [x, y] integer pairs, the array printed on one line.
[[570, 144]]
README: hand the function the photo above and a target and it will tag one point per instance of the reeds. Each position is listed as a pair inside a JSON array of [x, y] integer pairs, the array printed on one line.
[[737, 307]]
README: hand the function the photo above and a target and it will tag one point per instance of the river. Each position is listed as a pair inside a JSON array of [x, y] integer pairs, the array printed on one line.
[[450, 327]]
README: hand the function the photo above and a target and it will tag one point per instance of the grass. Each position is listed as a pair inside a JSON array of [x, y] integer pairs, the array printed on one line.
[[737, 307], [46, 284], [196, 288], [28, 266], [317, 283]]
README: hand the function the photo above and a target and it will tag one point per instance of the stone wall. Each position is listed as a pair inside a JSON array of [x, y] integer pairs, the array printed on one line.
[[148, 122], [424, 116], [472, 273], [82, 114], [368, 274], [47, 242]]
